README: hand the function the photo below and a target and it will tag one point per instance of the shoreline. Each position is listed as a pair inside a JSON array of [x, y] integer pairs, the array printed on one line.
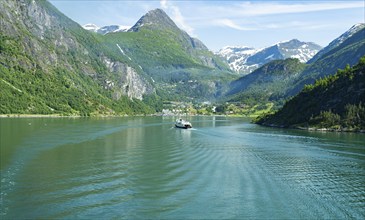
[[33, 116], [103, 116], [343, 130]]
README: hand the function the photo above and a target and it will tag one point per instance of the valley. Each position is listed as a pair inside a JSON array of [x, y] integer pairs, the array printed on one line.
[[122, 110], [52, 65]]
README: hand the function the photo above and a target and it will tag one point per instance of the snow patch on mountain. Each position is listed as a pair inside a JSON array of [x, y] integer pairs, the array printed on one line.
[[237, 57], [244, 60], [336, 42]]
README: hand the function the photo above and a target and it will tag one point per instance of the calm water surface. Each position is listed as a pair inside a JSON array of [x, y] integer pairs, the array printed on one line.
[[142, 167]]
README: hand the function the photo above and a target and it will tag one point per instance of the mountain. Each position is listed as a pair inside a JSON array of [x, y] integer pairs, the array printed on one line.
[[245, 59], [267, 83], [277, 81], [155, 19], [50, 64], [236, 57], [105, 29], [336, 102], [336, 42], [348, 51], [181, 67]]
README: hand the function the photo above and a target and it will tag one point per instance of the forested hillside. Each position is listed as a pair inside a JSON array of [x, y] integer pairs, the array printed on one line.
[[335, 102], [279, 80], [50, 65]]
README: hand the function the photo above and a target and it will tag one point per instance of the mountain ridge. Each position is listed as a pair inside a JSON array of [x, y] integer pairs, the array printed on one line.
[[263, 86], [50, 64], [244, 59], [337, 41], [180, 65]]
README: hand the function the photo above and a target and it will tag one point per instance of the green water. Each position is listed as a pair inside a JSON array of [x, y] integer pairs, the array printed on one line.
[[143, 167]]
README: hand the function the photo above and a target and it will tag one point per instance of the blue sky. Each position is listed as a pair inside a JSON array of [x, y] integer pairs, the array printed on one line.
[[220, 23]]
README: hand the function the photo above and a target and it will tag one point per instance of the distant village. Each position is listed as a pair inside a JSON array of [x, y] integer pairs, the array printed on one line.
[[173, 108]]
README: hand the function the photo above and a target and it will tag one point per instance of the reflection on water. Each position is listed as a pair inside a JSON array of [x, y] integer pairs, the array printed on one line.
[[143, 167]]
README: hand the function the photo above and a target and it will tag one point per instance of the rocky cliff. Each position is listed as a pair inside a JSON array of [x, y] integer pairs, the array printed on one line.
[[41, 47]]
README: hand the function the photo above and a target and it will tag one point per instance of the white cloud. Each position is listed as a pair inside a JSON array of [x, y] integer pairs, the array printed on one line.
[[177, 17], [229, 23], [270, 8], [258, 15], [163, 4]]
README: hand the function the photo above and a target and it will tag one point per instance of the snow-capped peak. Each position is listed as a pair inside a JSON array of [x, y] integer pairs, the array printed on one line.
[[336, 42], [244, 60], [355, 28]]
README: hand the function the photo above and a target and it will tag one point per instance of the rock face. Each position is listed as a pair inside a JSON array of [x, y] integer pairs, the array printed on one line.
[[180, 66], [40, 43], [155, 19], [244, 60], [130, 83]]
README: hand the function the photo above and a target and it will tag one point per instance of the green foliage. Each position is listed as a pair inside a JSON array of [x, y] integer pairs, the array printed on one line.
[[272, 83], [335, 102], [168, 58], [326, 119], [354, 116], [343, 56], [29, 86], [267, 84]]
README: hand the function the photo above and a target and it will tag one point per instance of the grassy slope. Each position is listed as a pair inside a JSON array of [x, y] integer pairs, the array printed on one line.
[[267, 84], [170, 61]]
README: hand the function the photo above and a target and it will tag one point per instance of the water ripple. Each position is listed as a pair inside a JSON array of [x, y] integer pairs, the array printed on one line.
[[145, 169]]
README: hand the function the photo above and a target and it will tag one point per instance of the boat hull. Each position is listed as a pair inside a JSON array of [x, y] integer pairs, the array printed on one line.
[[183, 126]]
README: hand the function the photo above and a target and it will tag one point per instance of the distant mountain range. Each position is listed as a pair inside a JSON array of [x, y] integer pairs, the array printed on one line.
[[241, 59], [244, 60], [50, 64], [278, 80]]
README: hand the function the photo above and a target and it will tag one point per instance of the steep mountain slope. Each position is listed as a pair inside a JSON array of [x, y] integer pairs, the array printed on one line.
[[336, 42], [245, 59], [50, 64], [181, 66], [347, 52], [336, 102]]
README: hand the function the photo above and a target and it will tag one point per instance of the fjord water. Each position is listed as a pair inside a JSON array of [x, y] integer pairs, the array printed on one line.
[[143, 167]]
